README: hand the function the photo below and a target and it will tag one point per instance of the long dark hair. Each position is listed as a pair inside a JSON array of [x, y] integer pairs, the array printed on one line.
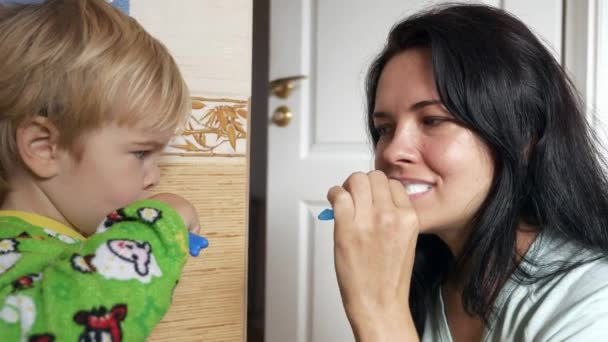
[[498, 79]]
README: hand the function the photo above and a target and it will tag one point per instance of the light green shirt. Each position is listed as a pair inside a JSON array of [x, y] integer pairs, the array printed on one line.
[[571, 306]]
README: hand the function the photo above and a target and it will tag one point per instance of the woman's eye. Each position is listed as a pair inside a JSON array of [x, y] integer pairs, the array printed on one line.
[[383, 130], [433, 120], [140, 154]]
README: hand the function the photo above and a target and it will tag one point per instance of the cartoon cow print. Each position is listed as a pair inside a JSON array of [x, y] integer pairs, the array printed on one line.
[[120, 259], [137, 253], [102, 325]]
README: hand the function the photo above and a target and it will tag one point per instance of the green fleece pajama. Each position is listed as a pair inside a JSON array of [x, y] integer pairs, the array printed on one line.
[[114, 286]]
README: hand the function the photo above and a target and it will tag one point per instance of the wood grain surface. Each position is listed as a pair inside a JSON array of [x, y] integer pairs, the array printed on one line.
[[210, 300]]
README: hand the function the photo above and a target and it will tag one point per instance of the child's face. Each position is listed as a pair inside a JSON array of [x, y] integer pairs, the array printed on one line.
[[118, 165], [422, 143]]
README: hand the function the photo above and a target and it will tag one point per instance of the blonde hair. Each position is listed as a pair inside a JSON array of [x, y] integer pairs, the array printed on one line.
[[82, 64]]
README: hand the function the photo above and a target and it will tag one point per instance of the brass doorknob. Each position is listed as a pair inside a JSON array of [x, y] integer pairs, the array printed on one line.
[[282, 116], [282, 87]]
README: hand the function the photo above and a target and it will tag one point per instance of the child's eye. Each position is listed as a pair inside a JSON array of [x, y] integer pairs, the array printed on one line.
[[140, 154]]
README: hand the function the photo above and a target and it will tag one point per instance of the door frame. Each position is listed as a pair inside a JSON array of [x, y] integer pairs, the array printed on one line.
[[583, 47], [258, 165]]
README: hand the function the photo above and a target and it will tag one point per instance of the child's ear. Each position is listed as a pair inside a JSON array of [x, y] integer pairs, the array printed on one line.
[[37, 142]]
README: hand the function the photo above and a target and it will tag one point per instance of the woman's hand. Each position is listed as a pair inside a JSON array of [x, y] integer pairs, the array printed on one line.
[[183, 207], [375, 235]]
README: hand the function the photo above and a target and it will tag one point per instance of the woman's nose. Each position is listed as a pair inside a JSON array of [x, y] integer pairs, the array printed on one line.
[[402, 147]]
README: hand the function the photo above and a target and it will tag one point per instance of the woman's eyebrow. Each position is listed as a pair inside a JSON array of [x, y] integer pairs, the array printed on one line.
[[425, 103], [416, 106], [381, 115]]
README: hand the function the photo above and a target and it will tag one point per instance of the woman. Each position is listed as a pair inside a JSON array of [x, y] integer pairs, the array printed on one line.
[[487, 217]]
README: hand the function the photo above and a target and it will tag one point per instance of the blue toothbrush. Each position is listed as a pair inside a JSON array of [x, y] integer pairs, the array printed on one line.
[[326, 215], [196, 243]]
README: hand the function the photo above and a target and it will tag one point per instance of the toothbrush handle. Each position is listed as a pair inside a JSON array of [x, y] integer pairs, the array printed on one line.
[[196, 243], [326, 215]]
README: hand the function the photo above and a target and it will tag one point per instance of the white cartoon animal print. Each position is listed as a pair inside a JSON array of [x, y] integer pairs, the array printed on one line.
[[59, 236], [126, 259], [9, 255], [20, 309]]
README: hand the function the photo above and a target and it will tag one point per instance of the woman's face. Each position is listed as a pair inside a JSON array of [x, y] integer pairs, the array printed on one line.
[[448, 170]]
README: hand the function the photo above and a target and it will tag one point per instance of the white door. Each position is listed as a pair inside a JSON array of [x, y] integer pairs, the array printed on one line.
[[331, 42]]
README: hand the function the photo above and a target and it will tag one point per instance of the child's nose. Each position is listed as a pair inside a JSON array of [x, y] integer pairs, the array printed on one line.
[[152, 178]]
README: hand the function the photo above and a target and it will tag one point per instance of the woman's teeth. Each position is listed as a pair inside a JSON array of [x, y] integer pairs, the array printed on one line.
[[413, 189]]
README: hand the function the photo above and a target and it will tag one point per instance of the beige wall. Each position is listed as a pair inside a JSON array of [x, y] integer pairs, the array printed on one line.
[[211, 41]]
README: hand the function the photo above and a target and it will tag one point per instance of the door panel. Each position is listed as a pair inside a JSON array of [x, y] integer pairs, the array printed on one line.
[[332, 42]]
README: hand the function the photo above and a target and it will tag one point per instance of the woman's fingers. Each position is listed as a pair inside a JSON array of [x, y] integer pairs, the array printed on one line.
[[358, 186], [341, 202], [367, 193], [381, 193], [375, 232], [398, 194]]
